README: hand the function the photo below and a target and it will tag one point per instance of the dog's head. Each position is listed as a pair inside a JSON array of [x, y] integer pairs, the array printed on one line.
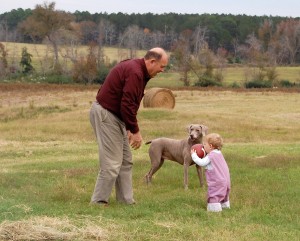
[[196, 132]]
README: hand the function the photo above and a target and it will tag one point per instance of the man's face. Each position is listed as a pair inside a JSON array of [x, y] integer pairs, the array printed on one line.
[[157, 66]]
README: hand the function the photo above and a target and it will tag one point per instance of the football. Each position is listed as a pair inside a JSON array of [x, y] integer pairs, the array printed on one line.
[[199, 150]]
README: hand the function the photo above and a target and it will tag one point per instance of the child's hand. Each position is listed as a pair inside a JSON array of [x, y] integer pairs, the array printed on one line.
[[193, 151]]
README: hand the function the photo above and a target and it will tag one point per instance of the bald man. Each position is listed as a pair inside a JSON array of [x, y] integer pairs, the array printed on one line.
[[114, 119]]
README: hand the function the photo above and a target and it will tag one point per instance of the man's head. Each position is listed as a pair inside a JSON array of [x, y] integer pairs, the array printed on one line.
[[156, 60]]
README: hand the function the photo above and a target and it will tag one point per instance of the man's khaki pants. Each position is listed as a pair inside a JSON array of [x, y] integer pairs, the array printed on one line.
[[114, 156]]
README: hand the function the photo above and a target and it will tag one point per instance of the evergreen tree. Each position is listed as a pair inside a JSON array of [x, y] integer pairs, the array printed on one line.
[[26, 61]]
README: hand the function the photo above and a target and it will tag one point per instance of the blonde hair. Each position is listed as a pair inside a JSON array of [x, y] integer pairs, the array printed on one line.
[[215, 140]]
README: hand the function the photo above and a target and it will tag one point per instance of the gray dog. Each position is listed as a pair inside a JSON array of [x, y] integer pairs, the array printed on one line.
[[176, 150]]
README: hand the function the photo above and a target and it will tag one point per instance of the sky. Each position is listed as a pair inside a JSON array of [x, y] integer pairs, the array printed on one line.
[[283, 8]]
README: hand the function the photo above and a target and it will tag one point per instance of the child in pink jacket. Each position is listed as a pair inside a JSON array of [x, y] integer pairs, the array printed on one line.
[[216, 172]]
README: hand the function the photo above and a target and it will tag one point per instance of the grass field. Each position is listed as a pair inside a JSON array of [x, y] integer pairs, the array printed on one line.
[[231, 74], [48, 167]]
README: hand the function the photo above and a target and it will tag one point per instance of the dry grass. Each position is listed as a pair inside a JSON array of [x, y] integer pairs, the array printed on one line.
[[49, 228], [53, 107], [52, 156], [240, 116]]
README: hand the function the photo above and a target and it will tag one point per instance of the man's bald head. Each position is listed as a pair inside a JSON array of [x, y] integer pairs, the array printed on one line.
[[156, 59], [156, 53]]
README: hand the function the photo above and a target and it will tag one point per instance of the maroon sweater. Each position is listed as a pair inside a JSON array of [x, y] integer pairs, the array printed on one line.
[[123, 90]]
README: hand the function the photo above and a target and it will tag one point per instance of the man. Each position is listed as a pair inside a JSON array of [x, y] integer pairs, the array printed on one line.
[[113, 117]]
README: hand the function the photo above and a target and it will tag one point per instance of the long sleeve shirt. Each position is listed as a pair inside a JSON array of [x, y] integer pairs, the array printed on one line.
[[123, 90], [203, 162]]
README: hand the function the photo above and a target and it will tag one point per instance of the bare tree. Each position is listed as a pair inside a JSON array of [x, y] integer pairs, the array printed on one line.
[[3, 31], [85, 69], [46, 22], [199, 39], [235, 44], [158, 39], [109, 32], [206, 59], [288, 36], [183, 56], [131, 39], [265, 34], [201, 62], [3, 61], [253, 51], [88, 31]]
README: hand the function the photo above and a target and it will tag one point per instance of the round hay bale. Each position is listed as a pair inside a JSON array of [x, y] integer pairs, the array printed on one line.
[[159, 98]]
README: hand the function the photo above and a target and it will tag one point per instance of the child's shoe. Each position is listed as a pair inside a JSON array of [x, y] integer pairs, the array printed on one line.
[[214, 207], [225, 204]]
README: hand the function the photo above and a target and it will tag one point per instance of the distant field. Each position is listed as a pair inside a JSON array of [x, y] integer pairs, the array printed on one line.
[[231, 74], [39, 51], [237, 74]]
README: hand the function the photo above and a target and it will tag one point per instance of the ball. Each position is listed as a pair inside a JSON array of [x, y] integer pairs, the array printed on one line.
[[199, 150]]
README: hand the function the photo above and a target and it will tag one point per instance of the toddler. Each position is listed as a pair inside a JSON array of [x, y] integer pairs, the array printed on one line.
[[216, 172]]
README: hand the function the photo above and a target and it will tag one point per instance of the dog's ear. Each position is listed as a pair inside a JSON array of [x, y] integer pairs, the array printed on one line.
[[204, 130], [188, 128]]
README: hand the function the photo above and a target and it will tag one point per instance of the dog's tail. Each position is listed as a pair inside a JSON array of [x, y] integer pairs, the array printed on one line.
[[148, 142]]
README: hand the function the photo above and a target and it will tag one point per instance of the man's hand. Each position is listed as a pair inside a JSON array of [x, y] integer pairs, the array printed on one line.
[[135, 140]]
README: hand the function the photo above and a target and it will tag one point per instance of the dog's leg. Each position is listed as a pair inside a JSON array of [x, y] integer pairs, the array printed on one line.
[[149, 176], [153, 170], [200, 175], [186, 173]]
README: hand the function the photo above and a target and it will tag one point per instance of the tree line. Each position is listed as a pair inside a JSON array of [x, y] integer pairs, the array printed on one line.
[[206, 40], [222, 29]]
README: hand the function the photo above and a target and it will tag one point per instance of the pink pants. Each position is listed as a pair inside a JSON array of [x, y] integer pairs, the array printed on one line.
[[218, 193]]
